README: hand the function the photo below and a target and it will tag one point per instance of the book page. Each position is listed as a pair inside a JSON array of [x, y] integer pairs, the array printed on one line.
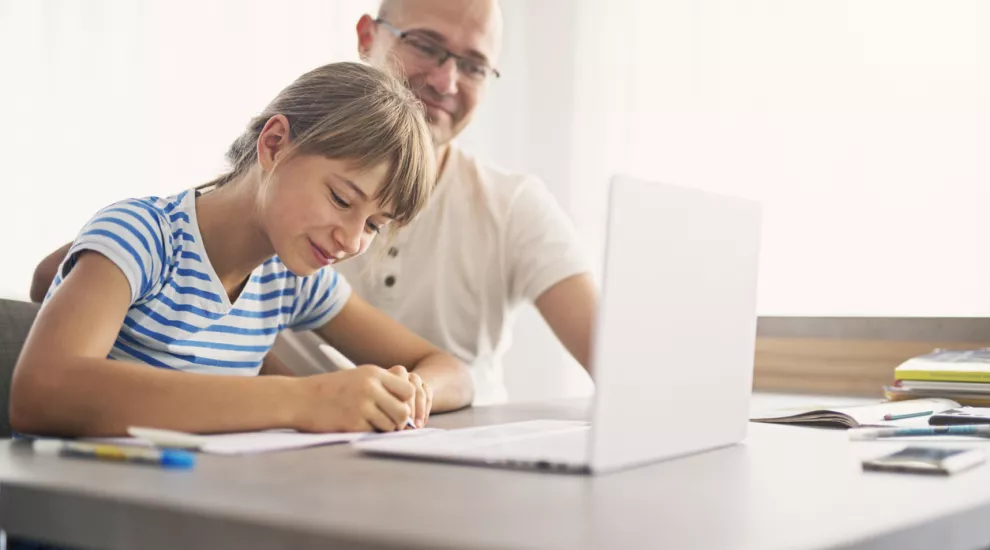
[[865, 415]]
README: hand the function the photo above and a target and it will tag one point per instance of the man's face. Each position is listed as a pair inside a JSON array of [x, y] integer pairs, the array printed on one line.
[[467, 28]]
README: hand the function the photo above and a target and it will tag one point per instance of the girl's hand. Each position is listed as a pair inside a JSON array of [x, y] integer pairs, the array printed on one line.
[[363, 399], [422, 401]]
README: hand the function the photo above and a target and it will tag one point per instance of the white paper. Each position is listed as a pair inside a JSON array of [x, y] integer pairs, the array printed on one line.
[[264, 441], [273, 440]]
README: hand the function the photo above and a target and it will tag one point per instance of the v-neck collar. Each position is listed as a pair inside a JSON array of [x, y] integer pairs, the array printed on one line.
[[216, 286]]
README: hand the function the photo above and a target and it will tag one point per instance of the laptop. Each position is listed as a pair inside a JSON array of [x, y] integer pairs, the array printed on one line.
[[673, 350]]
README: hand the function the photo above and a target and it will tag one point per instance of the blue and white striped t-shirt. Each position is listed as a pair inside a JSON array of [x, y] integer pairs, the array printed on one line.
[[180, 316]]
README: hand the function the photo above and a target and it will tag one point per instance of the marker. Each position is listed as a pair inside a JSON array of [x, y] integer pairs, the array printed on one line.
[[166, 458], [908, 415], [868, 434], [342, 362]]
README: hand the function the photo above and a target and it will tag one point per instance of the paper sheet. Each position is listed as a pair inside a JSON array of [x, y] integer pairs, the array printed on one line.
[[265, 441]]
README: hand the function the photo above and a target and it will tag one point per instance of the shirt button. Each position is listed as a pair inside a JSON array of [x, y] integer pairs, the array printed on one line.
[[393, 251], [389, 281]]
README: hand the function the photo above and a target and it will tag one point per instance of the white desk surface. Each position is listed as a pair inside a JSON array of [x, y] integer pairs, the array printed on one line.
[[784, 488]]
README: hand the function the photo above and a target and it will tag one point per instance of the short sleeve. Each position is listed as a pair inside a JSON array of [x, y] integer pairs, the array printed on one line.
[[321, 296], [132, 234], [542, 247]]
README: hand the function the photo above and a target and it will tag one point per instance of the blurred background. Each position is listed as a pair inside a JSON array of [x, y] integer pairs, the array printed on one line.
[[863, 126]]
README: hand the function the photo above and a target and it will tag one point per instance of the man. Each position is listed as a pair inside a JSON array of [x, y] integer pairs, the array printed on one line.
[[489, 240]]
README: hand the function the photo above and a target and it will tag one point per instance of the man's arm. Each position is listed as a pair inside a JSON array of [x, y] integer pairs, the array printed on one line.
[[44, 274], [569, 307], [273, 366], [547, 267]]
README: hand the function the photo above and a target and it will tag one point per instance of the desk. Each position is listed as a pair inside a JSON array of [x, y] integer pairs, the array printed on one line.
[[785, 488]]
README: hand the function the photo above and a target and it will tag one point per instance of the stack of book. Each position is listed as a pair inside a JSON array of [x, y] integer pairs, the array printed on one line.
[[959, 375]]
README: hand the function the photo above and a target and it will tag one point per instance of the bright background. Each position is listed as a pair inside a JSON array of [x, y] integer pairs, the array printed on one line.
[[863, 126]]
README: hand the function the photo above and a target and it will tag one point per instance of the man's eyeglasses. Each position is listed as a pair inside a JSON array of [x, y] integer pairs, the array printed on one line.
[[426, 48]]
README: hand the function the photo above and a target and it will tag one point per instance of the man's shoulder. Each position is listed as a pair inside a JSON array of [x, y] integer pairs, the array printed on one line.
[[501, 184]]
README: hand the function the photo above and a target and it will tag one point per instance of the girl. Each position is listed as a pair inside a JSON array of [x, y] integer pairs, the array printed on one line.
[[155, 292]]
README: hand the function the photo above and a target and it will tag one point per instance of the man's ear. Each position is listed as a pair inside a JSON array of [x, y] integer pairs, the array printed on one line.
[[365, 35], [273, 142]]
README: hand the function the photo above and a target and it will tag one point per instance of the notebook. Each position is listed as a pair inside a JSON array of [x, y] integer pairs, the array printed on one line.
[[960, 375], [947, 366], [914, 411]]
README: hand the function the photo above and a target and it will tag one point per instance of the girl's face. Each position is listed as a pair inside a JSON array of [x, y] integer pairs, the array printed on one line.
[[318, 211]]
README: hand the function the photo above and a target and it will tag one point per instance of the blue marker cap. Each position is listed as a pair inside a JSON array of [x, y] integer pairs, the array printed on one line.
[[178, 460]]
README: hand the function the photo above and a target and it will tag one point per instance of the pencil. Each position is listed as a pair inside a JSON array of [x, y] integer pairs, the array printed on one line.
[[907, 415]]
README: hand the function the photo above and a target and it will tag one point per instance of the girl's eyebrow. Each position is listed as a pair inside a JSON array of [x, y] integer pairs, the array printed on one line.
[[361, 193], [353, 186]]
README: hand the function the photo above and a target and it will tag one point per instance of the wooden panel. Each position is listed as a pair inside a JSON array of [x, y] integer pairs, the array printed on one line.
[[899, 329], [833, 366]]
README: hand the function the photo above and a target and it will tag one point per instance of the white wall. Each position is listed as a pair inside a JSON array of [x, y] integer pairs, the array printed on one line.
[[861, 124], [108, 99]]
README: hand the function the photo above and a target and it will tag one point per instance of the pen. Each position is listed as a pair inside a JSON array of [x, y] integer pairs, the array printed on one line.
[[343, 362], [166, 458], [907, 415], [867, 434]]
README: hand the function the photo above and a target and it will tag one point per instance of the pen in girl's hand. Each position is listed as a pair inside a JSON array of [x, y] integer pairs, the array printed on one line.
[[342, 362]]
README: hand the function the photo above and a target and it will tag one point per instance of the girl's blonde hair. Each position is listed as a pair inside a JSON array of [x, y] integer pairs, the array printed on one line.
[[353, 112]]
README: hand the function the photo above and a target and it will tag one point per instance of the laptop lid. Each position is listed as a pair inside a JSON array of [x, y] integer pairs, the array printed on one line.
[[675, 339]]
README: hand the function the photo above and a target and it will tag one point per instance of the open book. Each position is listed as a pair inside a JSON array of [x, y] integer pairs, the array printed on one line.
[[916, 411]]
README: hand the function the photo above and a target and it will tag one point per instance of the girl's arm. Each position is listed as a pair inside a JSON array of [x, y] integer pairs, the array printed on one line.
[[64, 384], [46, 270], [366, 335]]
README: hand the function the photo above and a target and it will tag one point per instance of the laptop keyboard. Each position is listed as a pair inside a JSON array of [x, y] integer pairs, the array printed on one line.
[[503, 433], [537, 443]]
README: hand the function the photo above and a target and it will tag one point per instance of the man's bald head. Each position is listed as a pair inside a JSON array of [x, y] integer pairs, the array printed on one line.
[[389, 8], [466, 28], [484, 11]]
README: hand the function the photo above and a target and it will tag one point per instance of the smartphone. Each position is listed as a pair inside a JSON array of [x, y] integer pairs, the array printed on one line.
[[927, 460], [964, 415]]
